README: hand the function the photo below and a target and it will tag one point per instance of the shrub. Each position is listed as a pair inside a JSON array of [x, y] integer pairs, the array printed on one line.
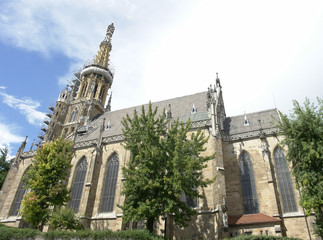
[[65, 219], [106, 234], [9, 233], [262, 237]]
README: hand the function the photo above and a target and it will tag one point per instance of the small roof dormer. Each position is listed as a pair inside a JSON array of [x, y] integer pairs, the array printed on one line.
[[246, 121]]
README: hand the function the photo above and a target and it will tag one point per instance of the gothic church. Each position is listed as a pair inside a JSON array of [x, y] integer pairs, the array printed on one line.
[[254, 192]]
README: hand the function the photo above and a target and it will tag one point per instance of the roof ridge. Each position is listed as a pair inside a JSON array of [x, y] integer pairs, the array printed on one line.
[[169, 99], [262, 111]]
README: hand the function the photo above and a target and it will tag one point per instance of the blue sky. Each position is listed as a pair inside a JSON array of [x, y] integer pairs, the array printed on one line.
[[267, 53]]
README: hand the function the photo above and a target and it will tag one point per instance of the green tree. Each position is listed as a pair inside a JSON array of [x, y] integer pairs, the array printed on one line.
[[65, 219], [303, 132], [4, 165], [46, 180], [164, 164]]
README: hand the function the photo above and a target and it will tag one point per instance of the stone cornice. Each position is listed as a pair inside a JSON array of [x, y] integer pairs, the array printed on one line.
[[115, 138], [248, 135], [197, 124], [29, 154], [202, 123], [89, 143]]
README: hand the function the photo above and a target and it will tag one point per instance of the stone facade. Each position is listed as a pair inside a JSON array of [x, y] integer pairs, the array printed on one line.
[[80, 115]]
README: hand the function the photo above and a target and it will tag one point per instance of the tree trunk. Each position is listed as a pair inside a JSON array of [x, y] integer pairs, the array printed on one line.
[[150, 225]]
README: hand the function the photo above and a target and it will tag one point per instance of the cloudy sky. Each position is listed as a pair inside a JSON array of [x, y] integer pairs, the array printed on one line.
[[267, 53]]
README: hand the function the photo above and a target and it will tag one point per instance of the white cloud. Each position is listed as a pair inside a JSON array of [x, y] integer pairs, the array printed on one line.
[[58, 25], [8, 137], [76, 27], [25, 106], [169, 48], [3, 87]]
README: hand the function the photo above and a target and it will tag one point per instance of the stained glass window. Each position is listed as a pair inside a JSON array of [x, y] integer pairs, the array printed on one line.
[[78, 185], [74, 115], [284, 180], [248, 185], [17, 202], [192, 203], [110, 184]]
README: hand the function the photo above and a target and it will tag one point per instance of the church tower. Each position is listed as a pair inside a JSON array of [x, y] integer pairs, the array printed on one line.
[[85, 98]]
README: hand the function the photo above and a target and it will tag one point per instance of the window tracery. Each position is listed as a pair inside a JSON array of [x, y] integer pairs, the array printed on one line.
[[284, 180], [248, 185], [110, 183], [78, 184]]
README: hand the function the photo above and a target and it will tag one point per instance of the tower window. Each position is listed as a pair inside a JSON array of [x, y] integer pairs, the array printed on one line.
[[95, 89], [74, 115], [101, 93], [65, 132], [77, 189], [110, 184], [248, 185], [83, 90], [284, 180]]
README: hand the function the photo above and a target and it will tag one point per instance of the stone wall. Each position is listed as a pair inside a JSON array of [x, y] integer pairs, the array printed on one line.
[[9, 191], [267, 187]]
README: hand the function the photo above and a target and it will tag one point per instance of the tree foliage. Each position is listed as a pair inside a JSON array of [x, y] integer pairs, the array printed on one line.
[[46, 180], [65, 219], [4, 165], [164, 164], [303, 131]]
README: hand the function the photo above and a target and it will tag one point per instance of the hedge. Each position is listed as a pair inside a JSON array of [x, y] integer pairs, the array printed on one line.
[[262, 237], [11, 233], [106, 234], [8, 233]]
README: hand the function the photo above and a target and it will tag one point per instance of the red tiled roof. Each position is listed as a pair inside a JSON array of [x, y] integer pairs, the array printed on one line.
[[249, 219]]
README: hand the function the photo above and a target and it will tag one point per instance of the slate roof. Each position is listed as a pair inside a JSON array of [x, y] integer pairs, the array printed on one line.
[[181, 108], [235, 125], [249, 219]]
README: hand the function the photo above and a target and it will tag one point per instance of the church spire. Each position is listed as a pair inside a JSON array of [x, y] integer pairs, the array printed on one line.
[[102, 58], [97, 77]]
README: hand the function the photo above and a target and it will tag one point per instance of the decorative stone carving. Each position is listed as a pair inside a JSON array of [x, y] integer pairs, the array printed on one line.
[[252, 134], [224, 210], [29, 154], [265, 149], [210, 99]]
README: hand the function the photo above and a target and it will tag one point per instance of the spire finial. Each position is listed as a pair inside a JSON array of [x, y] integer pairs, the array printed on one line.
[[109, 33], [217, 80]]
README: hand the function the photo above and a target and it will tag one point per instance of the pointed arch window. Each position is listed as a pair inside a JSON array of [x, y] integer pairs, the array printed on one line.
[[83, 90], [101, 94], [284, 180], [110, 183], [190, 202], [74, 115], [248, 185], [19, 196], [95, 90], [78, 184]]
